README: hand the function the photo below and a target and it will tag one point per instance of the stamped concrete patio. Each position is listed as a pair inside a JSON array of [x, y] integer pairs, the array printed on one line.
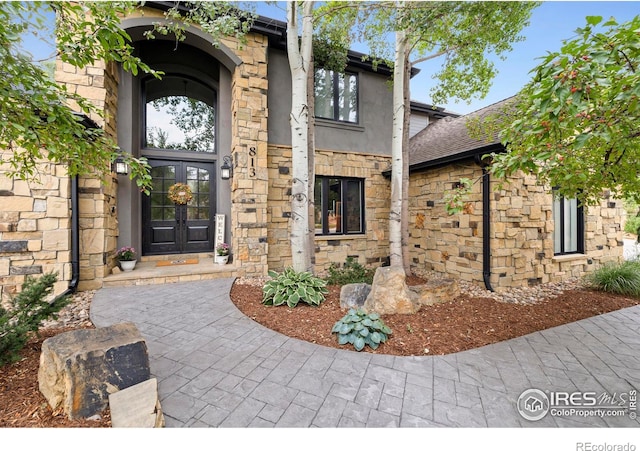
[[218, 368]]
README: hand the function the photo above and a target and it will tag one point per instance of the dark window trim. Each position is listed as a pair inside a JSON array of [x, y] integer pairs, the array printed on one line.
[[325, 205], [336, 97], [579, 230]]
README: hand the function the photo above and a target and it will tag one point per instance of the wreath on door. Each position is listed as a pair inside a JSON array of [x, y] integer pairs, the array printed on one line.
[[180, 194]]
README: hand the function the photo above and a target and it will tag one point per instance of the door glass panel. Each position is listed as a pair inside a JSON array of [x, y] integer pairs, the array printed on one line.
[[317, 200], [348, 107], [180, 115], [335, 206], [323, 93], [162, 209], [571, 225], [198, 181], [353, 212]]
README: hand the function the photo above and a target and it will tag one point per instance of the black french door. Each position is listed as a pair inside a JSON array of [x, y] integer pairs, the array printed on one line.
[[169, 228]]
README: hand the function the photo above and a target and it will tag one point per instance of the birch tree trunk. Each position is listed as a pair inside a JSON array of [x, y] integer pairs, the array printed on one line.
[[395, 216], [406, 98], [299, 53]]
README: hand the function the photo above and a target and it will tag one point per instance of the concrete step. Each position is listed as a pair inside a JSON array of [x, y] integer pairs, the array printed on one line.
[[149, 273]]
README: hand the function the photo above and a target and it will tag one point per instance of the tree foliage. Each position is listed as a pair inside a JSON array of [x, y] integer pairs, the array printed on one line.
[[41, 120], [576, 124], [28, 309]]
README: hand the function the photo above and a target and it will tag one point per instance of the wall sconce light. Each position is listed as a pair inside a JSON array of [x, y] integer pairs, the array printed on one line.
[[120, 166], [226, 171]]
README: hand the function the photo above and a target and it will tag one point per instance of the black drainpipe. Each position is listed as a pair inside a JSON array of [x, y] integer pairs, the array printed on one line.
[[486, 228], [75, 241], [486, 223]]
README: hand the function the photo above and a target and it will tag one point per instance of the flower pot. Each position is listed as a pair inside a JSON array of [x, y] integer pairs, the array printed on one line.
[[127, 265], [221, 259]]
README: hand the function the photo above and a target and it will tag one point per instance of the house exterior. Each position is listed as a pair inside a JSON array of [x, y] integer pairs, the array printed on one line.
[[229, 105], [515, 236]]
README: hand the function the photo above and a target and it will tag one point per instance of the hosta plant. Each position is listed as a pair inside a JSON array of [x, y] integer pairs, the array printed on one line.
[[291, 287], [360, 329]]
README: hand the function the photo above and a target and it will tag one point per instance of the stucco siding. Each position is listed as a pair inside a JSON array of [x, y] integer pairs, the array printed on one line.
[[371, 135]]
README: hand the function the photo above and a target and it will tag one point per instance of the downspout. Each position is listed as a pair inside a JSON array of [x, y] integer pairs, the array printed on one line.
[[75, 241], [486, 223], [75, 237], [486, 228]]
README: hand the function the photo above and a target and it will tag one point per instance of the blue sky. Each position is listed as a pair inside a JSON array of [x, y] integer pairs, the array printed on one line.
[[550, 24]]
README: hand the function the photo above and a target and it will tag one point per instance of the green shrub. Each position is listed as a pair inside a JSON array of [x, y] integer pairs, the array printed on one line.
[[27, 311], [291, 287], [632, 225], [350, 272], [360, 329], [619, 278]]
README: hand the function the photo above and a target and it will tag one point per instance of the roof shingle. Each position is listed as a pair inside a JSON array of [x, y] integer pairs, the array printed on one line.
[[449, 137]]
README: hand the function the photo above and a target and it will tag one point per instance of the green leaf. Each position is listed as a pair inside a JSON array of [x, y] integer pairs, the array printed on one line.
[[594, 20], [358, 344], [375, 337]]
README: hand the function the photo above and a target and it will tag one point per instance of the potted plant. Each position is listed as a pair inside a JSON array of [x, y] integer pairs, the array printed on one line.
[[222, 253], [126, 256]]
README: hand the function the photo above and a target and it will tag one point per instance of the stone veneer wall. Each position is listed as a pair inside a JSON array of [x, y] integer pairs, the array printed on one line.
[[371, 248], [35, 235], [35, 217], [249, 186], [97, 198], [521, 231]]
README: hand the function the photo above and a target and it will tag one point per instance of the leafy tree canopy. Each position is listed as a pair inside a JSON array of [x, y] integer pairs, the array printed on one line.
[[36, 117], [576, 124], [460, 34]]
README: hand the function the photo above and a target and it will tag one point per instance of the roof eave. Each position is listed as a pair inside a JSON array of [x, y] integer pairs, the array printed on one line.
[[443, 161]]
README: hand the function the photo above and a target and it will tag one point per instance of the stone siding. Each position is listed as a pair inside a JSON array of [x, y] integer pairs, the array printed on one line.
[[521, 231], [35, 223], [370, 248], [97, 198], [249, 153]]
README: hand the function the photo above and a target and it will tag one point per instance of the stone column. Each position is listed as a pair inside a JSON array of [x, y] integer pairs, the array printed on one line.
[[249, 152]]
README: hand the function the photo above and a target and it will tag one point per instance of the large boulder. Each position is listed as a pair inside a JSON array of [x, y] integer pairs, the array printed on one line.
[[353, 295], [389, 293], [80, 368], [435, 291]]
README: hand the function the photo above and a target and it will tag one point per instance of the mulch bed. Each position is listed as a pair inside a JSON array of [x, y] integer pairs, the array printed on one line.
[[455, 326]]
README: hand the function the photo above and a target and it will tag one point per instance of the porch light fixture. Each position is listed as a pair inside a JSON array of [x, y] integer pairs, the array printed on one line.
[[225, 170], [120, 166]]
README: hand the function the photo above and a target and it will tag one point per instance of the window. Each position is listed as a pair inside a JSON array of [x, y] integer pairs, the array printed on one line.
[[568, 233], [336, 96], [179, 115], [339, 206]]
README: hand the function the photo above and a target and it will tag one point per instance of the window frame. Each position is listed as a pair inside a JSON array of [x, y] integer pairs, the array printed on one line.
[[336, 96], [324, 206], [559, 227]]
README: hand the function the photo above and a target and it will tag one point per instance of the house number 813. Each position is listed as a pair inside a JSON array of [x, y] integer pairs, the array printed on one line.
[[252, 162]]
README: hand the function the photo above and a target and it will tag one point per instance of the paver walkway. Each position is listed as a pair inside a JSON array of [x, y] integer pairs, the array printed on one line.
[[217, 367]]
